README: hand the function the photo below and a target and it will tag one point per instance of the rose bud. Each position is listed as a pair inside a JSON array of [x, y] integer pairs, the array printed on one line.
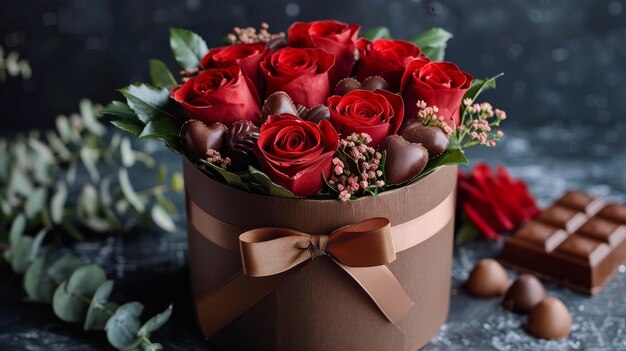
[[246, 56], [404, 160], [295, 153], [197, 139], [377, 113], [301, 73], [374, 83], [335, 37], [346, 85], [219, 95], [441, 84], [241, 139], [386, 58], [277, 103]]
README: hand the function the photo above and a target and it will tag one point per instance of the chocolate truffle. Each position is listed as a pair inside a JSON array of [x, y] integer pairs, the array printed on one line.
[[375, 82], [277, 43], [242, 137], [346, 85], [524, 294], [197, 138], [301, 109], [316, 114], [433, 138], [487, 279], [550, 319], [276, 103], [404, 160]]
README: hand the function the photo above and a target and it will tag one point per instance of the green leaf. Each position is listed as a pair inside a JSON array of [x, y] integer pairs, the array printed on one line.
[[177, 182], [36, 201], [88, 116], [89, 157], [17, 229], [123, 326], [155, 322], [68, 307], [377, 33], [467, 232], [62, 268], [85, 280], [57, 204], [480, 85], [188, 47], [87, 202], [433, 43], [99, 317], [21, 254], [127, 153], [267, 184], [129, 193], [148, 102], [165, 129], [119, 109], [161, 76], [229, 177], [36, 247], [37, 283], [96, 313], [19, 183], [63, 128], [134, 127], [448, 157], [161, 218]]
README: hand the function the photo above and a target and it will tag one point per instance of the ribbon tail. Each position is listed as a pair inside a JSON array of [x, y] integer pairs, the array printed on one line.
[[383, 288], [234, 297]]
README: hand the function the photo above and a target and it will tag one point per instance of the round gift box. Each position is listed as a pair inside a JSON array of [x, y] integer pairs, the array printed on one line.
[[321, 307]]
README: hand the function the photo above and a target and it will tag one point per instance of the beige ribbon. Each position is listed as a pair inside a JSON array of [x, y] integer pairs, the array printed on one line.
[[271, 255]]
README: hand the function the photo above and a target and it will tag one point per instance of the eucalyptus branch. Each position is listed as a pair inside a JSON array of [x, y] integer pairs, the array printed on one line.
[[13, 66]]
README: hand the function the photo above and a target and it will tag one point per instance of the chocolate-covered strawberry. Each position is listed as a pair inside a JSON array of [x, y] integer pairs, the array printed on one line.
[[277, 103], [404, 160], [197, 138], [433, 138], [242, 137]]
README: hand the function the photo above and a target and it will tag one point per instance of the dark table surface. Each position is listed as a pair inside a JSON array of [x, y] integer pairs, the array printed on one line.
[[151, 267]]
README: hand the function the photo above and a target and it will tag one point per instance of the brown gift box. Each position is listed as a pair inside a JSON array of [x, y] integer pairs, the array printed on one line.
[[320, 307]]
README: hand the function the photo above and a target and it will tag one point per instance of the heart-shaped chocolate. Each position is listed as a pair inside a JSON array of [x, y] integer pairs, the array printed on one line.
[[375, 82], [276, 103], [434, 139], [346, 85], [302, 110], [404, 160], [242, 137], [316, 114], [276, 43], [198, 138]]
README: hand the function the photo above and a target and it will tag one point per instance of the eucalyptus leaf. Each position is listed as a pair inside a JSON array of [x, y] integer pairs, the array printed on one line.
[[377, 33], [19, 183], [57, 204], [89, 158], [87, 202], [85, 280], [129, 192], [17, 229], [229, 177], [161, 175], [36, 246], [155, 322], [105, 191], [42, 150], [153, 347], [88, 116], [98, 308], [161, 75], [127, 153], [188, 47], [99, 317], [63, 128], [62, 268], [21, 254], [162, 218], [67, 306], [123, 326], [270, 187], [37, 283], [433, 43]]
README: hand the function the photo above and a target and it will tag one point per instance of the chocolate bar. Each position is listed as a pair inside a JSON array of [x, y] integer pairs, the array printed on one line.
[[579, 241]]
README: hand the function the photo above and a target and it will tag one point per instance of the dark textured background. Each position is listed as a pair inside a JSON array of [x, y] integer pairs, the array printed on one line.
[[564, 60]]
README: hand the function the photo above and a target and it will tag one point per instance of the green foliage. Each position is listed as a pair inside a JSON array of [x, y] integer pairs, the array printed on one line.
[[480, 85], [13, 66], [433, 43], [377, 33], [161, 75], [188, 47]]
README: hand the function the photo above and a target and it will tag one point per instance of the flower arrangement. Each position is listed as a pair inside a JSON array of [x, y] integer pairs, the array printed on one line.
[[321, 111]]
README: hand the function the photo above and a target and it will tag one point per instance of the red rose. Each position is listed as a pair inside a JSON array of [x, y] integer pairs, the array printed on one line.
[[335, 37], [301, 73], [295, 153], [246, 56], [386, 58], [219, 95], [441, 84], [494, 203], [377, 113]]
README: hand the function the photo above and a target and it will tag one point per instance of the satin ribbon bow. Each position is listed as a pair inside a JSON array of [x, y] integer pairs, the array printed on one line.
[[271, 255]]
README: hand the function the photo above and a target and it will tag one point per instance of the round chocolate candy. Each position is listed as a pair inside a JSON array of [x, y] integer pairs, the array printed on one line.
[[316, 114], [550, 319], [434, 139], [242, 137], [197, 138], [404, 160], [375, 82], [276, 103], [524, 294], [277, 43], [346, 85], [487, 279]]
